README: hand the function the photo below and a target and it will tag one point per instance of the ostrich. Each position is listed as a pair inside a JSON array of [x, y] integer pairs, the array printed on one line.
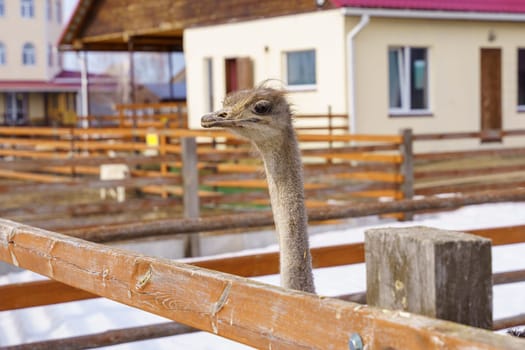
[[263, 116]]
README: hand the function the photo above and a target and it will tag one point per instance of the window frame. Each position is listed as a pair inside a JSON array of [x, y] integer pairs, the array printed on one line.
[[3, 54], [50, 55], [405, 82], [299, 86], [520, 80], [27, 8], [28, 54], [49, 10], [16, 108], [58, 9]]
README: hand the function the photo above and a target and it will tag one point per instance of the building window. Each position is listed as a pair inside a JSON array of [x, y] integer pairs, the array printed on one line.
[[49, 10], [50, 55], [2, 54], [28, 54], [59, 11], [300, 69], [521, 79], [408, 80], [15, 108], [27, 8], [2, 8]]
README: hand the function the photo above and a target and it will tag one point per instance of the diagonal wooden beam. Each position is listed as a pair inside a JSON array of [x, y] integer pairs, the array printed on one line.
[[246, 311], [22, 295]]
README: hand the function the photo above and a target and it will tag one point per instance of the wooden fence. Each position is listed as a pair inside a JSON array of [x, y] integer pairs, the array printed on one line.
[[229, 171], [174, 115], [142, 115], [339, 169], [465, 171], [61, 160], [245, 311]]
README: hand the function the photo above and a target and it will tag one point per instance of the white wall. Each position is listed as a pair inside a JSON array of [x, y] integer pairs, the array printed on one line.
[[265, 41], [454, 67]]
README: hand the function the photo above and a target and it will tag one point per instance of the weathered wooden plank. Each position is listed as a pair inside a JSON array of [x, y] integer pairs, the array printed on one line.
[[508, 277], [253, 313], [44, 178], [20, 153], [86, 209], [36, 131], [474, 171], [431, 272], [112, 337], [75, 185], [126, 335], [407, 169], [372, 176], [246, 220], [190, 178], [258, 265], [467, 188], [512, 321], [150, 106], [502, 235], [30, 294], [447, 136], [255, 184], [364, 157], [469, 154], [350, 137], [463, 135], [46, 292]]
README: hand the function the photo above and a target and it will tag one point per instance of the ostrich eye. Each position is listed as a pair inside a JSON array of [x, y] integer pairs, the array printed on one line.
[[262, 107]]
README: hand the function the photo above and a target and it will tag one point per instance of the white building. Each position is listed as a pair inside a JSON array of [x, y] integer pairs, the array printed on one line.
[[32, 88]]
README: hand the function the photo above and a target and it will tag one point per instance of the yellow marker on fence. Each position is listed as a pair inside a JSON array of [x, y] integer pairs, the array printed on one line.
[[152, 140]]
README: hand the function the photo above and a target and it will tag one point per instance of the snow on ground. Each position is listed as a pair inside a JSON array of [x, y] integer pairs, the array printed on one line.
[[98, 315]]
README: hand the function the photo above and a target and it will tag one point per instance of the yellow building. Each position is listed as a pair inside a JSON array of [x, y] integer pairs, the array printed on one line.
[[433, 66], [33, 88]]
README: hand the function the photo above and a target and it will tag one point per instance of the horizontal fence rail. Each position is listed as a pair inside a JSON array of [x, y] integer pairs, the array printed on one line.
[[339, 168], [470, 170], [250, 266], [229, 171], [206, 224], [255, 314]]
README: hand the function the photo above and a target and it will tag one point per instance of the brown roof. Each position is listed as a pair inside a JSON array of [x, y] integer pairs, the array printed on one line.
[[117, 25]]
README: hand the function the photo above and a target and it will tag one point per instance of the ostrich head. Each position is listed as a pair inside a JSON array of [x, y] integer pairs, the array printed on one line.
[[263, 116], [259, 114]]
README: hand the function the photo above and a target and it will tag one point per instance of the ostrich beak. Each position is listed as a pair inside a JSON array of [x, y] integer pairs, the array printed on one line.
[[222, 119], [209, 120]]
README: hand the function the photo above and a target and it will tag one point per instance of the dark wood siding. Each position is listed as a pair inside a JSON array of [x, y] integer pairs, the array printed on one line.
[[113, 16]]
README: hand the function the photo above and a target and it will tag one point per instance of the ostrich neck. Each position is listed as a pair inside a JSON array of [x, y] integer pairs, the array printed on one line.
[[283, 166]]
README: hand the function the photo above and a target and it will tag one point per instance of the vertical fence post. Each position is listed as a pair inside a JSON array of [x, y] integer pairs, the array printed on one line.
[[407, 168], [164, 170], [437, 273], [72, 150], [190, 181]]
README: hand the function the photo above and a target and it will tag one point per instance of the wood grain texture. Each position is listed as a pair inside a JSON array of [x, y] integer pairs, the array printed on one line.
[[252, 313], [438, 273], [29, 294]]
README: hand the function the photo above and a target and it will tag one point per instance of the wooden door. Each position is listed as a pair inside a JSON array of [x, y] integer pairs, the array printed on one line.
[[491, 120], [239, 74], [231, 75]]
